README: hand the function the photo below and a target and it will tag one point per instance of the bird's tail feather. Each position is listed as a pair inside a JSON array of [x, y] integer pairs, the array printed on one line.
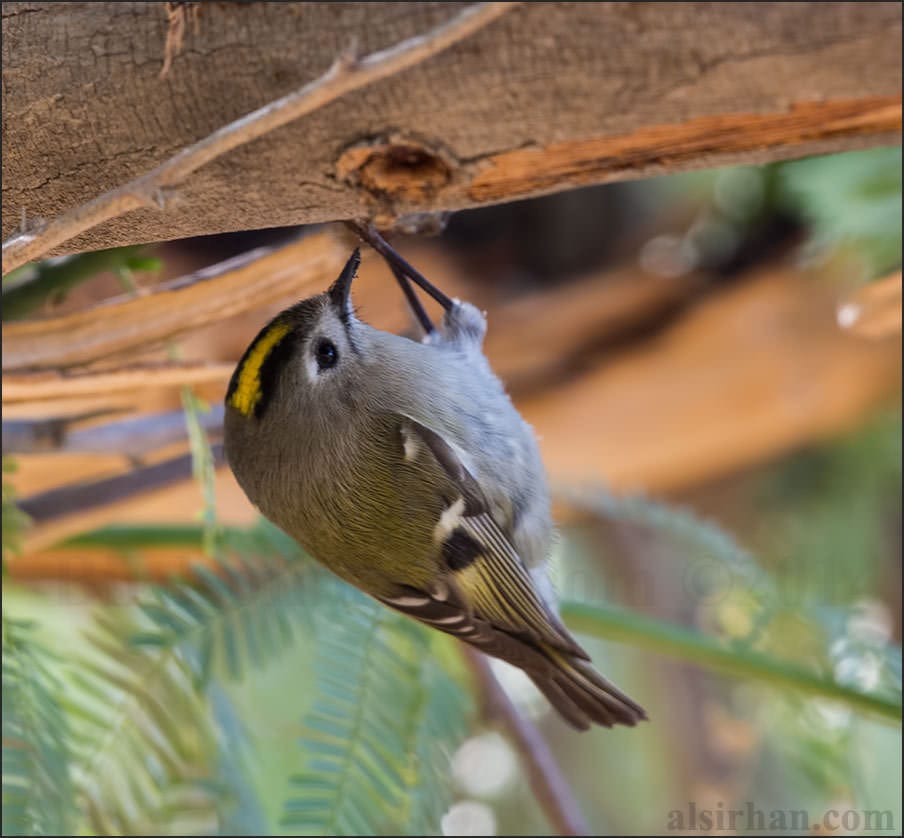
[[583, 696], [562, 672]]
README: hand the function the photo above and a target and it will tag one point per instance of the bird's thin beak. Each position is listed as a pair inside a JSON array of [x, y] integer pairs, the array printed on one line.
[[339, 292]]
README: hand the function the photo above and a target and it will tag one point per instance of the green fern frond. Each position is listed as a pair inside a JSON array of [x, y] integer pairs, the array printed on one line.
[[38, 796], [144, 741], [241, 616], [238, 809], [150, 720], [386, 716], [380, 729], [445, 718]]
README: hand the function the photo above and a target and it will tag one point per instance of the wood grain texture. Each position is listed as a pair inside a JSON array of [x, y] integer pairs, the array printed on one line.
[[348, 73], [659, 149], [548, 97]]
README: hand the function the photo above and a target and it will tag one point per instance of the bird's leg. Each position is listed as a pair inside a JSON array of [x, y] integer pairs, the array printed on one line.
[[403, 273], [368, 234], [413, 302]]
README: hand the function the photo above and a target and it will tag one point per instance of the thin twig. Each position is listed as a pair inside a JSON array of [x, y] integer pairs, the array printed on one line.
[[348, 73], [549, 786]]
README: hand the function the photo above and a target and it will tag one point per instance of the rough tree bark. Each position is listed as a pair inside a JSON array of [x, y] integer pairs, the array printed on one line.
[[548, 97]]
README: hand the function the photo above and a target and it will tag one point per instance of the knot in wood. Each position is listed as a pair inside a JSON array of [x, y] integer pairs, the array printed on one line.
[[399, 169]]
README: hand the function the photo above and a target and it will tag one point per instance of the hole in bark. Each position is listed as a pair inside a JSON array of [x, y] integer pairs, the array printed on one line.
[[397, 168]]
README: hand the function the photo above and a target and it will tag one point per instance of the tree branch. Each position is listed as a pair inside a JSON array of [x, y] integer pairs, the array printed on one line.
[[137, 378], [348, 73], [82, 497], [115, 327], [549, 786], [506, 114], [133, 437]]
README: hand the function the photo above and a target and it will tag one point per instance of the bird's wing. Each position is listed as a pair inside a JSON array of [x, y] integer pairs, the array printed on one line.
[[484, 581], [485, 596]]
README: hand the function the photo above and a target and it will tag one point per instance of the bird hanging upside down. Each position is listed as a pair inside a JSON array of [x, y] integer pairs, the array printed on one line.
[[404, 468]]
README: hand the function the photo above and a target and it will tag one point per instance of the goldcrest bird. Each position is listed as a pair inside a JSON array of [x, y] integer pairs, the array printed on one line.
[[405, 469]]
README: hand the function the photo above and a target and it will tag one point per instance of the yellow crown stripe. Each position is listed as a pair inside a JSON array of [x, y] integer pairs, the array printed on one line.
[[248, 390]]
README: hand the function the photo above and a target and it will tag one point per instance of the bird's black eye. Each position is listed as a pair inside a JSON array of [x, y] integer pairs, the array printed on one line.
[[326, 354]]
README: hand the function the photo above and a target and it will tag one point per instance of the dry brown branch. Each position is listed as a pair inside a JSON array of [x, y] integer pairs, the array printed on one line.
[[347, 73], [550, 788], [661, 148], [593, 311], [71, 500], [51, 386], [67, 408], [765, 356], [62, 512], [596, 311], [117, 327], [553, 95]]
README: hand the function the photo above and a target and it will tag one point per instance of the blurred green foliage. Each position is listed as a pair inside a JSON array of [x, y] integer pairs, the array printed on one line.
[[378, 733], [37, 782], [379, 702], [847, 202], [29, 288], [828, 503], [851, 200]]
